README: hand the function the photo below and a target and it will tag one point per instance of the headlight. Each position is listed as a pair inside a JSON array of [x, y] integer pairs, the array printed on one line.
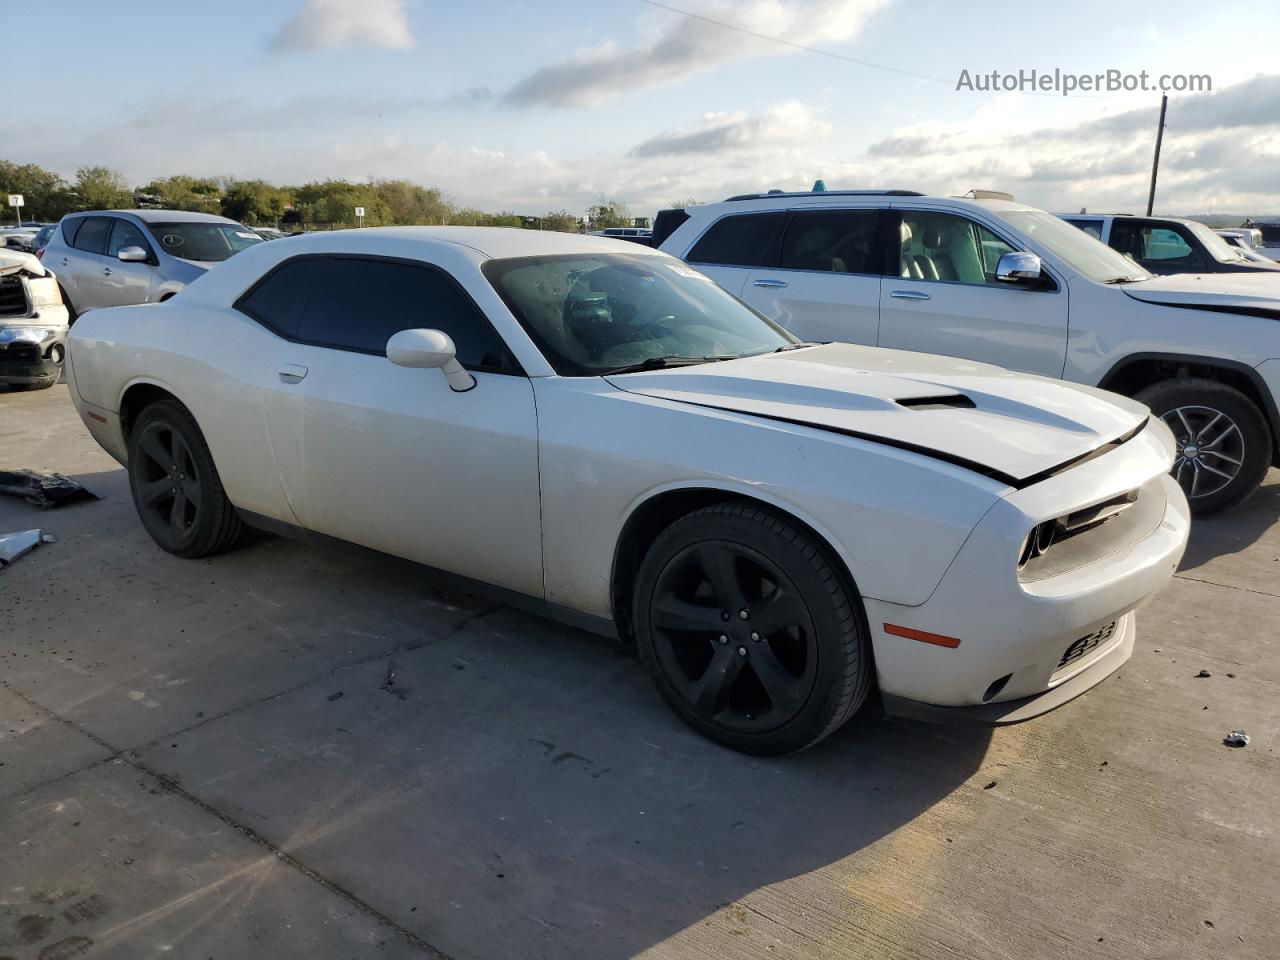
[[44, 292], [35, 335]]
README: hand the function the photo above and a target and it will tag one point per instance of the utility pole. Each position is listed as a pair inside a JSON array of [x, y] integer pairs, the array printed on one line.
[[1155, 162]]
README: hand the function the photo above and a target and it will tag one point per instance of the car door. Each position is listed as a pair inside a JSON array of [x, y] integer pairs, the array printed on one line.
[[825, 283], [79, 268], [392, 457], [732, 246], [123, 282], [1160, 247], [941, 296]]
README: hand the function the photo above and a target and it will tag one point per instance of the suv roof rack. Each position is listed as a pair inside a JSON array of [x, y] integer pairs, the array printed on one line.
[[826, 193]]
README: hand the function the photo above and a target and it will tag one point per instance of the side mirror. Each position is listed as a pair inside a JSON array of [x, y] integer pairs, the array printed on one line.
[[1018, 267], [132, 254], [430, 348]]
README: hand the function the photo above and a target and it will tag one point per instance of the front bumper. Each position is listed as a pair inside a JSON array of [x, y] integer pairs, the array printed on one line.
[[1028, 647], [30, 353]]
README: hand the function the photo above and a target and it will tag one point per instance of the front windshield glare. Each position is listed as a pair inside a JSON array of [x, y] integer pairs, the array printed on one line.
[[1217, 246], [1091, 257], [595, 313], [209, 242]]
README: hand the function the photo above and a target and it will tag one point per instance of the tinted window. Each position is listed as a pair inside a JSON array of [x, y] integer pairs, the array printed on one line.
[[738, 241], [1092, 227], [125, 234], [69, 230], [358, 304], [942, 246], [205, 242], [1147, 242], [92, 235], [833, 241], [277, 301]]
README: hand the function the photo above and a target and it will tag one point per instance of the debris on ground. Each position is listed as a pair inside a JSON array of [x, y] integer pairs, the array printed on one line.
[[1231, 676], [389, 682], [42, 490], [335, 696], [1236, 738], [989, 785], [20, 543], [1204, 673]]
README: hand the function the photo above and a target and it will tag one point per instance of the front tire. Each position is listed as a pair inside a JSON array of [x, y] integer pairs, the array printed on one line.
[[175, 485], [749, 632], [1224, 443]]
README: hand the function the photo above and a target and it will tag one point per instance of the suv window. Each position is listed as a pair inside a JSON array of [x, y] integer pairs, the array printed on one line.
[[92, 235], [1092, 227], [943, 246], [1147, 242], [740, 240], [360, 302], [125, 234], [69, 230], [277, 301], [832, 241]]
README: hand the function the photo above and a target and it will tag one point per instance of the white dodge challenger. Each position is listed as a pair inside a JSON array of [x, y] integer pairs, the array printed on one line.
[[595, 429]]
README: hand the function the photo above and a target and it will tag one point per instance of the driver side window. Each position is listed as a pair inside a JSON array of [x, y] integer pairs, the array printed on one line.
[[950, 248], [125, 234]]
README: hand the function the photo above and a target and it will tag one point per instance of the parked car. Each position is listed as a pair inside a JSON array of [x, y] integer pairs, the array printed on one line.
[[1269, 246], [1245, 242], [634, 234], [33, 323], [17, 238], [269, 233], [108, 258], [604, 435], [1168, 244], [41, 239], [1005, 283]]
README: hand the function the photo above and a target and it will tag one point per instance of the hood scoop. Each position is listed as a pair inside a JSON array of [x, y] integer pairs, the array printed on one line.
[[952, 401]]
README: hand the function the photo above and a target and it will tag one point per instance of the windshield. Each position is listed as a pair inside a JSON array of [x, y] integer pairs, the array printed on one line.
[[1218, 248], [203, 241], [596, 313], [1091, 257]]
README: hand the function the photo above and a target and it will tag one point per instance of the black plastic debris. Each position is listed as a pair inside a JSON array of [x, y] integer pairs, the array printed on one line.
[[42, 490], [1236, 738], [1204, 673]]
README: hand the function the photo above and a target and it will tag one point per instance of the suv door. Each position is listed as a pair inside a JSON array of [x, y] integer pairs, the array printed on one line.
[[82, 258], [391, 457], [825, 283], [126, 281], [940, 295], [1160, 247], [729, 249]]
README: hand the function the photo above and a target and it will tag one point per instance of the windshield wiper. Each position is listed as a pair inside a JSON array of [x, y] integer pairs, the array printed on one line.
[[793, 346], [1125, 280], [663, 363]]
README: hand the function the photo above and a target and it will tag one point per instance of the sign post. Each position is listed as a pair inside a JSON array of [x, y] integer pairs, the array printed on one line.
[[16, 201], [360, 216]]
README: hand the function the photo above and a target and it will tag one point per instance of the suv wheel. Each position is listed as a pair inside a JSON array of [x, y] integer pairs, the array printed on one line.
[[1224, 444]]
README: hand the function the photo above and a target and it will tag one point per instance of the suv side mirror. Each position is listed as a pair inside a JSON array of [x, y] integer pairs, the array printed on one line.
[[430, 348], [132, 254], [1018, 267]]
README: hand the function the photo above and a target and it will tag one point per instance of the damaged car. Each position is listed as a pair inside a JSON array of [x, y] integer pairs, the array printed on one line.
[[595, 430], [33, 323]]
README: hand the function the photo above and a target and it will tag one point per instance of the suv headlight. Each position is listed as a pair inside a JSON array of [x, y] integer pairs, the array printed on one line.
[[43, 292]]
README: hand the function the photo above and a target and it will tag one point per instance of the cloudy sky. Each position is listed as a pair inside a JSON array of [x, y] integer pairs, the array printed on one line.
[[530, 105]]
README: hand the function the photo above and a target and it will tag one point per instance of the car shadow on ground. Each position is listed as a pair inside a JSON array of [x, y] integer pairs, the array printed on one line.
[[493, 782], [1235, 529]]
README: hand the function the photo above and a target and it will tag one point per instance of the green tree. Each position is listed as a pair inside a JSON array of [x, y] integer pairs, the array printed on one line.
[[200, 194], [471, 217], [256, 202], [608, 213], [408, 203], [334, 202], [561, 220], [46, 194], [101, 188]]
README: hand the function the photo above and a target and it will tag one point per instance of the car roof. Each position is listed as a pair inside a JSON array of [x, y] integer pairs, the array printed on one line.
[[159, 216], [493, 242]]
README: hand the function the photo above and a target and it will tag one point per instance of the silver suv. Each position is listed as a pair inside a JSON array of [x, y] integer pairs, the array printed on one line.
[[110, 258]]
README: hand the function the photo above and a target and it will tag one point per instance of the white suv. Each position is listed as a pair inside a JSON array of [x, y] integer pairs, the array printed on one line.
[[997, 281]]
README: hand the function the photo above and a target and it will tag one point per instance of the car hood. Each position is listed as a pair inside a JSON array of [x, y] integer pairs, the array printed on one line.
[[11, 261], [1244, 291], [1012, 427]]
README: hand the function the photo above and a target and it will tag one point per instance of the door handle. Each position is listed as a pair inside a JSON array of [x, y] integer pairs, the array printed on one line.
[[106, 271], [772, 284], [292, 372], [66, 262], [909, 295]]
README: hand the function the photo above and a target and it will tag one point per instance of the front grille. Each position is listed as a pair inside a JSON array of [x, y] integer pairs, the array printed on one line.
[[13, 297], [19, 355], [1086, 643]]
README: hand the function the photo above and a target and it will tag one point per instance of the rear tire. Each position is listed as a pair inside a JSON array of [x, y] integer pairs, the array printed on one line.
[[1224, 443], [175, 485], [779, 679]]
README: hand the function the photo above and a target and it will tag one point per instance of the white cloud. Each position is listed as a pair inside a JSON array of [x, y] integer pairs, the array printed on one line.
[[686, 46], [339, 24], [787, 124]]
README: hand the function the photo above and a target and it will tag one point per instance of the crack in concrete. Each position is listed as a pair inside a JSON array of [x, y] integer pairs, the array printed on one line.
[[1227, 586]]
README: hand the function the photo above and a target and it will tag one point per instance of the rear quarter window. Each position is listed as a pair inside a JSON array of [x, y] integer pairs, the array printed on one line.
[[278, 299], [69, 230], [738, 240]]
